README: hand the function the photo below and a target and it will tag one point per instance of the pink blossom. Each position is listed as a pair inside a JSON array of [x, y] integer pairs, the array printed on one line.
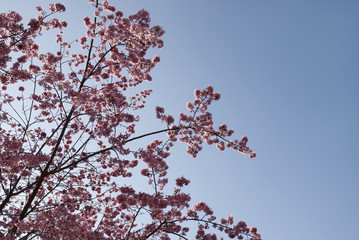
[[22, 59], [39, 9], [182, 181], [68, 146], [190, 106], [58, 7], [169, 120], [87, 21], [244, 140], [156, 59], [105, 75], [221, 146], [216, 96]]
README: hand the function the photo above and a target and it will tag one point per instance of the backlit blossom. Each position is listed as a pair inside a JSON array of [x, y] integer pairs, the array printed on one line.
[[57, 7], [69, 142], [182, 181]]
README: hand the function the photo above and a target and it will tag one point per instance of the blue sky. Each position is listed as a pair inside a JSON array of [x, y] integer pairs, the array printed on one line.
[[288, 74]]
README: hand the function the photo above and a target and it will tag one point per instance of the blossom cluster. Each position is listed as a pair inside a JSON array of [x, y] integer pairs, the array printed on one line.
[[67, 119], [198, 126]]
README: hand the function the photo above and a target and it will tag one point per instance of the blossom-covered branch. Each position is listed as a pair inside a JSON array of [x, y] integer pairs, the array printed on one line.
[[67, 119]]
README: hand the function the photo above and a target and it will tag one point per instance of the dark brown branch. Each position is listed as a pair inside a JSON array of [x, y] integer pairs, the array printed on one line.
[[179, 235], [133, 222], [156, 229], [108, 149]]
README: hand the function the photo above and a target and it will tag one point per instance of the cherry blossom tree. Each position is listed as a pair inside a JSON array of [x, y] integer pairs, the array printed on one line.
[[66, 120]]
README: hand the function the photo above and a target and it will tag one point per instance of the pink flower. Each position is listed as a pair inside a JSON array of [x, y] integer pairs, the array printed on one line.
[[221, 146], [190, 106], [169, 120], [87, 21], [156, 59], [22, 59], [83, 40], [39, 9], [216, 96], [160, 109], [182, 181], [159, 43], [197, 93], [148, 77], [209, 89], [105, 75], [58, 7]]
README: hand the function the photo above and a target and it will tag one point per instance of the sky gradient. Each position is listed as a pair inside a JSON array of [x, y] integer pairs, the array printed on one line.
[[288, 74]]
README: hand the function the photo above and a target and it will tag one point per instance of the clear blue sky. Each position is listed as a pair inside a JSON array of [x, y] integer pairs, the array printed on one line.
[[288, 73]]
